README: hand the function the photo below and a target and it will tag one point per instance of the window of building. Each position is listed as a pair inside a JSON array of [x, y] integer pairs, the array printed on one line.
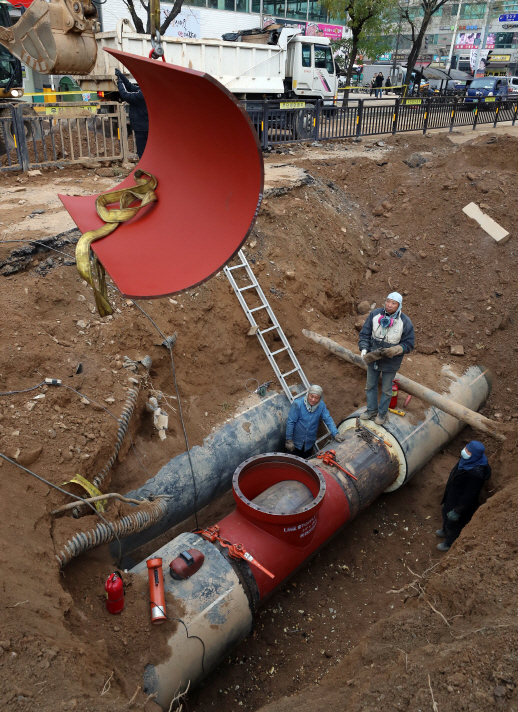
[[469, 12], [316, 13], [222, 4], [256, 6], [198, 3], [306, 55], [297, 9], [275, 8], [241, 5], [504, 40]]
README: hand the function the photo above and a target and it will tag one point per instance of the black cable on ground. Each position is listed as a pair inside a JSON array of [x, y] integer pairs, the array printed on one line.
[[69, 494], [186, 632], [12, 393]]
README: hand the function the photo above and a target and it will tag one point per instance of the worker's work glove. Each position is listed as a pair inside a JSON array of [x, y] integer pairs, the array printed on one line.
[[339, 438], [453, 516], [363, 352], [393, 351], [118, 74], [373, 356], [289, 445]]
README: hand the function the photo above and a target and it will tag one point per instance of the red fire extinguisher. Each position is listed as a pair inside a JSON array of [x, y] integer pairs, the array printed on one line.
[[395, 389], [114, 588]]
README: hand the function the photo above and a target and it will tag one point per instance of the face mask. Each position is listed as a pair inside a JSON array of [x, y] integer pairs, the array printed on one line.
[[464, 454]]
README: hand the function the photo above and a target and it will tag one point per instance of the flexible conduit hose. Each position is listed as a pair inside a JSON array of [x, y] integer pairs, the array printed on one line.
[[126, 414], [103, 534]]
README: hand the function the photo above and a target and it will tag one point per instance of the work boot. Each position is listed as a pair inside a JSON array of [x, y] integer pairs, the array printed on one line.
[[368, 415], [440, 533], [380, 419], [443, 546]]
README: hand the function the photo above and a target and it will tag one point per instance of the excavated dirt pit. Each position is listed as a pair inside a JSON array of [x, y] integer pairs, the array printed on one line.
[[379, 619]]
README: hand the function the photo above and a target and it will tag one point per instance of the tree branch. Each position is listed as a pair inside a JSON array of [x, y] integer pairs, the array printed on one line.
[[139, 25], [175, 11]]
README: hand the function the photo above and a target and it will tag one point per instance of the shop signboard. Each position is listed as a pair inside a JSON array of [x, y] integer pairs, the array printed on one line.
[[467, 40], [309, 29], [512, 17]]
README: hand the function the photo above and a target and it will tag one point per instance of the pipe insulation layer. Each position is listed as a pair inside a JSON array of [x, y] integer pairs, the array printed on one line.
[[286, 510], [258, 429]]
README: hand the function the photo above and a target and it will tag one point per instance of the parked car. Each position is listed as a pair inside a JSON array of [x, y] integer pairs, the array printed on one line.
[[487, 89], [513, 85]]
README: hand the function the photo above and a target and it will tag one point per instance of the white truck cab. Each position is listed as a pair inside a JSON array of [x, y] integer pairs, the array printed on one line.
[[310, 68]]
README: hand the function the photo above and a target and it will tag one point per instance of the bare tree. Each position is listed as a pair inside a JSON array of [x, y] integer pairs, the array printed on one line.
[[408, 13], [137, 21]]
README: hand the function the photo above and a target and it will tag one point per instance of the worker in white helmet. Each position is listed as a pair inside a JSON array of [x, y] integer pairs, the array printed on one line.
[[386, 336]]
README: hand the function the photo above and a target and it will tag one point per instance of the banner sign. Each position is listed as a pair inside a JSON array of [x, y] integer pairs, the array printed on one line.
[[186, 24], [482, 59]]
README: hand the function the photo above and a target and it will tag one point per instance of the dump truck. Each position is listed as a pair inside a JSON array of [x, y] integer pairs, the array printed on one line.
[[295, 67]]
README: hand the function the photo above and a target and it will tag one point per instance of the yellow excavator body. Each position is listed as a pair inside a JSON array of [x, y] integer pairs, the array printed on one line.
[[55, 37]]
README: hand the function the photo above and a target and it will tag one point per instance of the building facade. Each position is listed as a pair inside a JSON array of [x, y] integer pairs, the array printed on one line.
[[210, 19], [495, 40]]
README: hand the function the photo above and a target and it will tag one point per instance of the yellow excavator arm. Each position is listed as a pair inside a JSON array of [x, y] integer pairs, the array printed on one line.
[[55, 37]]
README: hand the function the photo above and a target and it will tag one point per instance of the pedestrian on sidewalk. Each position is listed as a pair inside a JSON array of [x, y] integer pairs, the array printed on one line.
[[303, 421], [460, 499], [388, 84], [379, 85], [138, 117], [386, 336], [373, 86]]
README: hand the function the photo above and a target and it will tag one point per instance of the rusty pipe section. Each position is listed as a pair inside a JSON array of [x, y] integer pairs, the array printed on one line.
[[287, 509], [446, 403]]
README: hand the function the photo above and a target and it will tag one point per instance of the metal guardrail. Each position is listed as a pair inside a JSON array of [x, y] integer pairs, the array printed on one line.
[[78, 132], [321, 120], [61, 134]]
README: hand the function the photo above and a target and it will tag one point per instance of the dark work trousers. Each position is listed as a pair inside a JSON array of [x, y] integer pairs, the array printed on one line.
[[140, 140], [453, 529], [303, 453]]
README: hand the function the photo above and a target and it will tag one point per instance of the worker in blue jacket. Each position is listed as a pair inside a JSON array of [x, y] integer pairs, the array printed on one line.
[[303, 421], [386, 336], [138, 116]]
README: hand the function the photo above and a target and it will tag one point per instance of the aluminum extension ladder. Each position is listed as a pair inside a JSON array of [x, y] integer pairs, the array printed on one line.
[[270, 355]]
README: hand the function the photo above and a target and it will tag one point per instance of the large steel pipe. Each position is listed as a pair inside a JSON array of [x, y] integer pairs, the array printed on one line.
[[286, 510], [258, 429]]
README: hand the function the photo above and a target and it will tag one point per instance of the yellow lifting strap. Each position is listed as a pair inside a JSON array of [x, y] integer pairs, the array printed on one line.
[[88, 265]]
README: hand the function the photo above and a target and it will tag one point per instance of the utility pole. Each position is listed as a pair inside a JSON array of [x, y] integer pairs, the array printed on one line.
[[484, 34], [448, 63]]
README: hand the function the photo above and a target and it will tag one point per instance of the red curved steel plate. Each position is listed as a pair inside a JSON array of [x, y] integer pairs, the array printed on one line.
[[206, 156]]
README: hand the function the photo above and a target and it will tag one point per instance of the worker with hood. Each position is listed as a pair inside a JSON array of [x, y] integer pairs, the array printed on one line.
[[386, 336], [303, 421], [138, 116], [460, 499]]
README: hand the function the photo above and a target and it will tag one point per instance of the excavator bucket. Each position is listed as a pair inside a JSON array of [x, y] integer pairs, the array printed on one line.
[[205, 155], [55, 37]]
